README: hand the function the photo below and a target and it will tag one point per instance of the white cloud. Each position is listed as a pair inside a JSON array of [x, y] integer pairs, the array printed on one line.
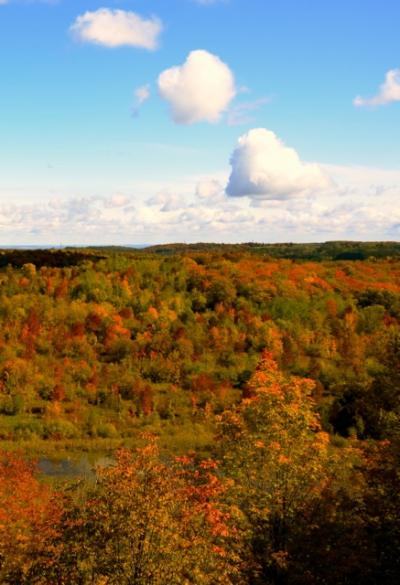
[[241, 113], [199, 90], [3, 2], [165, 201], [208, 2], [116, 201], [362, 204], [117, 28], [263, 167], [141, 95], [388, 92], [208, 188]]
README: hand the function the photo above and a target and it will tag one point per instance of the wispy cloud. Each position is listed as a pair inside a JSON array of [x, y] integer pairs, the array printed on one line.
[[4, 2], [209, 2], [388, 92], [141, 95], [241, 114]]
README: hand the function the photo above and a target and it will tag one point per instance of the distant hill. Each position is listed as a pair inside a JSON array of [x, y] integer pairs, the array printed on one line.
[[55, 258], [72, 256], [337, 250]]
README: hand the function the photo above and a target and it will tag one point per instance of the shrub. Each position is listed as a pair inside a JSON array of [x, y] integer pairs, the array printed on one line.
[[59, 429], [106, 431]]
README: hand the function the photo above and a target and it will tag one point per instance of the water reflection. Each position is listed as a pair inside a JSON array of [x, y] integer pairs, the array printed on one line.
[[83, 466]]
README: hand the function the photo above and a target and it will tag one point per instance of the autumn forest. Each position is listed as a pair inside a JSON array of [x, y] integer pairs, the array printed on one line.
[[239, 405]]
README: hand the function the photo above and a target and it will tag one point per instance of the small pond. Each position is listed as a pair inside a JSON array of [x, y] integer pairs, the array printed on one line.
[[74, 467]]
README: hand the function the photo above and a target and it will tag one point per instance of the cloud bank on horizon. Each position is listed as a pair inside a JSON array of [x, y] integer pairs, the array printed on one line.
[[360, 201]]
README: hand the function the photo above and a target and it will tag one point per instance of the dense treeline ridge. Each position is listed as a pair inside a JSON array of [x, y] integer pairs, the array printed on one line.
[[335, 250], [101, 348]]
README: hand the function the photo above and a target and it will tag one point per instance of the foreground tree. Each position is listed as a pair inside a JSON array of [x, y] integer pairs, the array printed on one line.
[[281, 464], [148, 522], [29, 523]]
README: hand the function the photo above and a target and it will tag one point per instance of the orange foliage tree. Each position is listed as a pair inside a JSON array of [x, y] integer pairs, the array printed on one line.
[[280, 461], [149, 522], [29, 523]]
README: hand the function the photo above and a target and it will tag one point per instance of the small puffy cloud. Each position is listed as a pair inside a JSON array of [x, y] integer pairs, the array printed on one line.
[[117, 28], [263, 167], [388, 92], [199, 90], [142, 94], [165, 201], [116, 201], [208, 188]]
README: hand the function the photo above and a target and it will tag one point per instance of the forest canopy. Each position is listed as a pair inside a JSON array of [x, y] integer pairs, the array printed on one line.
[[248, 403]]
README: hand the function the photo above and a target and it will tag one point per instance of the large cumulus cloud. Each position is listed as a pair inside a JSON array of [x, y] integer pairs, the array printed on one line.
[[263, 167]]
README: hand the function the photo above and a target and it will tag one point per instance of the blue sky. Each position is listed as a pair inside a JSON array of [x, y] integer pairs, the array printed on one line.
[[83, 159]]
